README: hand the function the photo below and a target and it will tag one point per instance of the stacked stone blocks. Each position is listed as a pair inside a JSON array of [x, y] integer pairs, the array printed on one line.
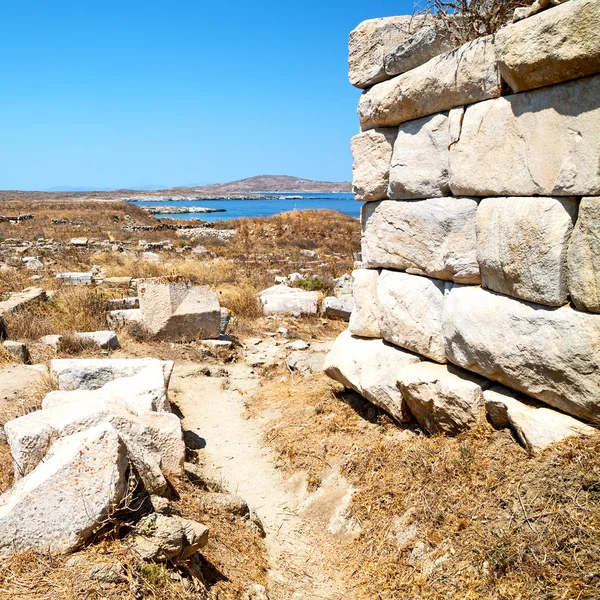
[[480, 172]]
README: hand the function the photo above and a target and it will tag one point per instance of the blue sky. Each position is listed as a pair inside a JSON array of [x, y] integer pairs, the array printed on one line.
[[121, 93]]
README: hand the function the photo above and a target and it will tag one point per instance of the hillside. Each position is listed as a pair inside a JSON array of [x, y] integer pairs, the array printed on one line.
[[275, 183]]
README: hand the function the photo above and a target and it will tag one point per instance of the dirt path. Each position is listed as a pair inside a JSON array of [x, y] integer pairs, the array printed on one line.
[[296, 524]]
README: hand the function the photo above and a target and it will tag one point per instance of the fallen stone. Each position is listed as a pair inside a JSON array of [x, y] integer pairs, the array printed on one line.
[[118, 282], [79, 242], [305, 363], [151, 257], [281, 299], [370, 367], [551, 354], [462, 76], [52, 340], [552, 152], [535, 427], [434, 237], [103, 339], [117, 318], [18, 300], [522, 247], [334, 308], [372, 153], [93, 373], [17, 350], [60, 503], [410, 312], [558, 45], [33, 264], [75, 278], [583, 257], [174, 309], [123, 303], [364, 320], [299, 345], [223, 342], [229, 503], [443, 399]]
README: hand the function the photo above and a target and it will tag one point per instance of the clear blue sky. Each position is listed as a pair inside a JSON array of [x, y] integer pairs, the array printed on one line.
[[120, 93]]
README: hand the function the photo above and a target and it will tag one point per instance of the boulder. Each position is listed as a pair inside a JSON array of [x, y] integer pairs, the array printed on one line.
[[583, 257], [281, 299], [364, 320], [522, 247], [334, 308], [410, 312], [462, 76], [174, 309], [419, 166], [93, 373], [553, 139], [372, 153], [551, 354], [434, 237], [422, 46], [18, 351], [371, 367], [305, 363], [443, 399], [33, 264], [535, 427], [59, 504], [371, 41], [154, 435], [121, 317], [555, 46], [103, 339]]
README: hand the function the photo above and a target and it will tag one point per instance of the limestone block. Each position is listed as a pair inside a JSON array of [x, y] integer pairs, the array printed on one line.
[[551, 354], [103, 339], [76, 278], [60, 503], [462, 76], [281, 299], [410, 312], [364, 320], [19, 300], [434, 237], [540, 143], [443, 399], [371, 367], [372, 153], [535, 427], [419, 165], [555, 46], [583, 257], [174, 309], [18, 350], [93, 373], [120, 317], [335, 308], [420, 47], [371, 41], [522, 247]]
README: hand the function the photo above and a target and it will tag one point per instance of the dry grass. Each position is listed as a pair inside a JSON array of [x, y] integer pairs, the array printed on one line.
[[492, 521]]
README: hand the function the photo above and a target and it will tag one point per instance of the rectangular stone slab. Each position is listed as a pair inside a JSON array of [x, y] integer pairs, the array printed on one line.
[[540, 143], [364, 320], [552, 354]]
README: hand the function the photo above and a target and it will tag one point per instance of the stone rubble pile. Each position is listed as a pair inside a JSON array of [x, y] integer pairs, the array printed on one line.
[[479, 167]]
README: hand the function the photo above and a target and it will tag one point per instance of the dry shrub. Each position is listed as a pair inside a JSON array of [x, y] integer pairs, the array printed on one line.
[[241, 300]]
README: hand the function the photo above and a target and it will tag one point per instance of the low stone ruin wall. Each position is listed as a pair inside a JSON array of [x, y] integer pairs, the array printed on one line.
[[479, 167]]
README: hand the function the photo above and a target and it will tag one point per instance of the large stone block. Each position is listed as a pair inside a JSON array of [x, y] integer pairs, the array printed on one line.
[[371, 367], [522, 247], [372, 41], [174, 309], [364, 320], [541, 143], [434, 237], [551, 354], [419, 164], [410, 312], [372, 154], [462, 76], [557, 45], [285, 300], [59, 504], [584, 257]]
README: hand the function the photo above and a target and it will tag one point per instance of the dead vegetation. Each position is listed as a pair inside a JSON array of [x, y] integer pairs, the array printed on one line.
[[469, 517]]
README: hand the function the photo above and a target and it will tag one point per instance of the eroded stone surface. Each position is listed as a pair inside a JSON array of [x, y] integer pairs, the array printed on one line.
[[364, 320], [372, 153]]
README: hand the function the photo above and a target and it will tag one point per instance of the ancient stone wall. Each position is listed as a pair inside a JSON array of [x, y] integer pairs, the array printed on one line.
[[479, 167]]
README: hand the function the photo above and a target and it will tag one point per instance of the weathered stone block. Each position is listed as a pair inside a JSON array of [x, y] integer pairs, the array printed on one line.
[[372, 153], [370, 367], [522, 247], [410, 312], [557, 45], [462, 76], [434, 237], [583, 257], [364, 320], [285, 300], [541, 143], [551, 354]]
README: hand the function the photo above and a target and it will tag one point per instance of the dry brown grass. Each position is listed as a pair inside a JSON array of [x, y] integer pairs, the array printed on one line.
[[494, 521]]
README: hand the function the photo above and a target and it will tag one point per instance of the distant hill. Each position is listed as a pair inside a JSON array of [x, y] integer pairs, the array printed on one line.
[[273, 183]]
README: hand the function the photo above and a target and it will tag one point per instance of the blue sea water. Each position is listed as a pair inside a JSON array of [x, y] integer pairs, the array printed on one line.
[[236, 209]]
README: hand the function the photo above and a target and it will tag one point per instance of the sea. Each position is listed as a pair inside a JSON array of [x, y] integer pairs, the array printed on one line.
[[251, 207]]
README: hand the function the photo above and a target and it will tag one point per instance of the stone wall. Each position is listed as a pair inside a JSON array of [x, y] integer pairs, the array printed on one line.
[[479, 167]]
